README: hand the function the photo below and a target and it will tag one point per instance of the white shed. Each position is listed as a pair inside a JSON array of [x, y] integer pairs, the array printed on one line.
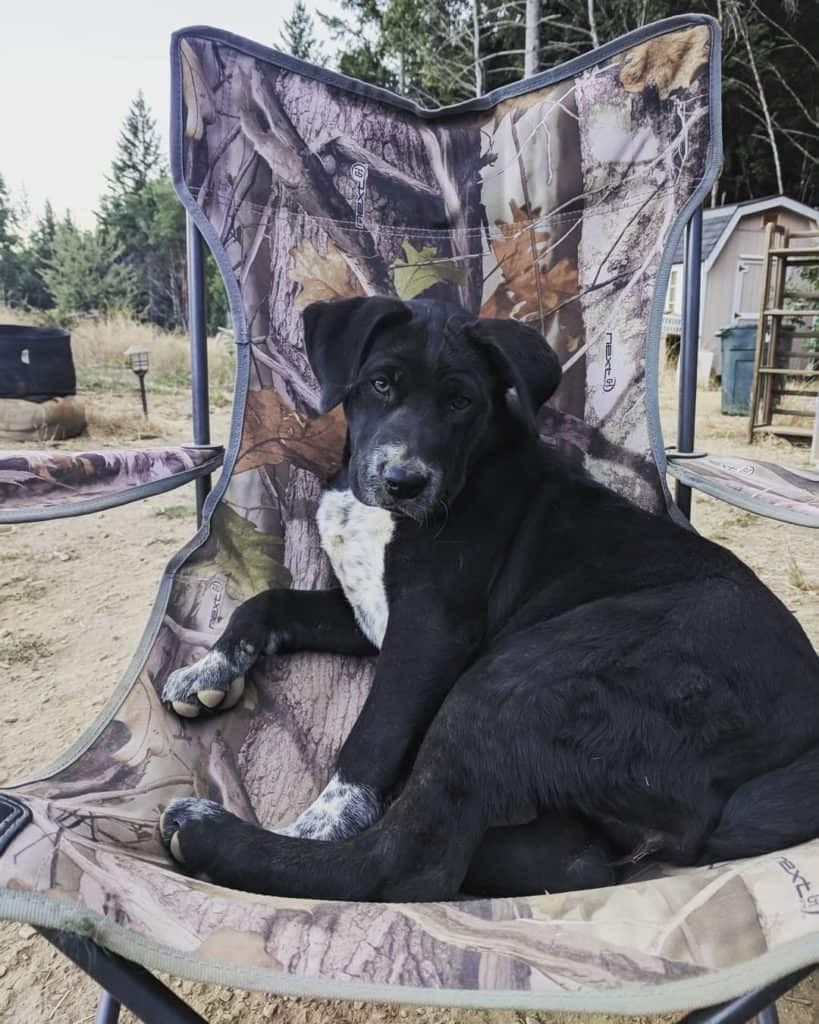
[[733, 247]]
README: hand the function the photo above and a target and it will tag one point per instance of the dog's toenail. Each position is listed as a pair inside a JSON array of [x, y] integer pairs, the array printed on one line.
[[176, 848], [211, 698], [185, 710], [235, 692]]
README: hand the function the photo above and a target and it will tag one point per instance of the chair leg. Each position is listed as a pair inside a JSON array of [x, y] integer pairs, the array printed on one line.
[[108, 1009], [768, 1015], [758, 1006], [144, 995], [689, 350]]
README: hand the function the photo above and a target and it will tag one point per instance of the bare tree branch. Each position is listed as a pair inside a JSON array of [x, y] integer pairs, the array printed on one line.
[[593, 24], [783, 31], [531, 57], [741, 28], [476, 48]]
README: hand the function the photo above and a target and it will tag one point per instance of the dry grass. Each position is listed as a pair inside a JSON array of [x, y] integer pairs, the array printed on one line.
[[113, 426], [22, 648], [99, 346], [797, 578], [175, 512], [104, 380]]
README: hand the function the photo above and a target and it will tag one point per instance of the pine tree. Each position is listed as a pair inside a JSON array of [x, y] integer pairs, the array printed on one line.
[[299, 34], [139, 157], [435, 51], [12, 256], [129, 208], [38, 256], [86, 272]]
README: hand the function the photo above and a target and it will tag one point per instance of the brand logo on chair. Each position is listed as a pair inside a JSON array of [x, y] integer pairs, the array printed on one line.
[[801, 886], [358, 172], [215, 612], [609, 380]]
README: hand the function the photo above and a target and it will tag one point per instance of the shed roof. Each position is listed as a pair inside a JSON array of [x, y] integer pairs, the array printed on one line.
[[716, 220]]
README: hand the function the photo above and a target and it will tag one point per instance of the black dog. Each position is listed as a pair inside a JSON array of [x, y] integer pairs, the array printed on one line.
[[564, 683]]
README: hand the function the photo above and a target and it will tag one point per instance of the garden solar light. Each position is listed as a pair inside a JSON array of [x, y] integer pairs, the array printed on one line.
[[138, 361]]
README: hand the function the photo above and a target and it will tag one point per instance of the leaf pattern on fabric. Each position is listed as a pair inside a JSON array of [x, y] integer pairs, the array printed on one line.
[[249, 559], [668, 63], [322, 277], [275, 433], [528, 284], [422, 269]]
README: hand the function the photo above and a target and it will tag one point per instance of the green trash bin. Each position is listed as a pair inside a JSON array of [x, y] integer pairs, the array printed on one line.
[[738, 348]]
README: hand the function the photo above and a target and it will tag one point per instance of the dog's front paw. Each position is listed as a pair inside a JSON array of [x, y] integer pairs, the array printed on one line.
[[214, 683], [187, 826]]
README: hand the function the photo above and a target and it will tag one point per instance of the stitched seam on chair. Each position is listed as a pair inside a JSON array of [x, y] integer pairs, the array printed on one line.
[[545, 219]]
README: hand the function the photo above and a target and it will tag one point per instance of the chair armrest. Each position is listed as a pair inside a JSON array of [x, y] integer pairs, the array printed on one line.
[[778, 492], [38, 485]]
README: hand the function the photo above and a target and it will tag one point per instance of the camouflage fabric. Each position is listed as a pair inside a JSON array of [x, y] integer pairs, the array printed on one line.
[[558, 201], [54, 482], [762, 487]]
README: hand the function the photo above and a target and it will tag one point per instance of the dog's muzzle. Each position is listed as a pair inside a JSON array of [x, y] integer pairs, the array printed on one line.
[[403, 482], [397, 480]]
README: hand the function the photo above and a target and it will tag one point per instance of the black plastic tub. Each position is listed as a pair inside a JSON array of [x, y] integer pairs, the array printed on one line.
[[36, 363]]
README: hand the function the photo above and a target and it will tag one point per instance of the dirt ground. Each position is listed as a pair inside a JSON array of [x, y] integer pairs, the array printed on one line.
[[74, 597]]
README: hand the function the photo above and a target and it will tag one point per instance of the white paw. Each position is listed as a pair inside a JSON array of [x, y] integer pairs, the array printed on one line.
[[342, 809], [210, 684]]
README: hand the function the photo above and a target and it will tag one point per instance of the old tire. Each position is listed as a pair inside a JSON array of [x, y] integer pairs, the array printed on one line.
[[52, 420]]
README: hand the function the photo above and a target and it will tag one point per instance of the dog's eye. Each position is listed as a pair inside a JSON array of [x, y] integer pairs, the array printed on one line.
[[460, 402], [381, 385]]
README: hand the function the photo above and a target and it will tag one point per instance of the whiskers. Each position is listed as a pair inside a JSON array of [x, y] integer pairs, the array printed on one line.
[[445, 509], [438, 512], [418, 516]]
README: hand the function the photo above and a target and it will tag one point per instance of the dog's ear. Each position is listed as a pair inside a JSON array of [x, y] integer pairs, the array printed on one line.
[[525, 360], [337, 336]]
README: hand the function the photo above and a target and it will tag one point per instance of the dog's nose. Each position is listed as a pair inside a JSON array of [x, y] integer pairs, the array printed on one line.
[[401, 482]]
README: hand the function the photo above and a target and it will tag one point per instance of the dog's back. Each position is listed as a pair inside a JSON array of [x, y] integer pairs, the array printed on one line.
[[691, 633]]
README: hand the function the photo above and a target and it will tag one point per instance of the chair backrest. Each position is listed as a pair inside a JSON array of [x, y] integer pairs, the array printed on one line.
[[558, 200]]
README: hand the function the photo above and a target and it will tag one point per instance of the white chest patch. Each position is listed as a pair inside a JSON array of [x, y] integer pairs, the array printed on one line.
[[355, 537]]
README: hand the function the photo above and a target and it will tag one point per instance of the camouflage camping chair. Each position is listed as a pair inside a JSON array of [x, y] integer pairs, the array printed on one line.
[[558, 200]]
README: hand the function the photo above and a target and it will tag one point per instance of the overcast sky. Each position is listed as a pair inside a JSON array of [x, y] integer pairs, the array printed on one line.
[[69, 70]]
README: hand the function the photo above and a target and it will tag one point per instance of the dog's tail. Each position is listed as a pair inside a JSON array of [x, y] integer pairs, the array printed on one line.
[[769, 813]]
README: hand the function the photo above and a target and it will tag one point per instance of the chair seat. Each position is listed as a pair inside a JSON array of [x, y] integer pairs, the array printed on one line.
[[778, 492], [85, 857], [38, 485]]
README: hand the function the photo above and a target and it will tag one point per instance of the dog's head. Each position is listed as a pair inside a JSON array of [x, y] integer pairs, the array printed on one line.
[[426, 389]]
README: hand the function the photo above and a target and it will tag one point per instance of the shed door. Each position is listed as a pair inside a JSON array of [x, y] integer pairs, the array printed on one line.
[[748, 288]]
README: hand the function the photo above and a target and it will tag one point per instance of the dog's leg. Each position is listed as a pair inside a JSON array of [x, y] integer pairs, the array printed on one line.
[[518, 735], [553, 853], [462, 782], [419, 850], [273, 621], [411, 681]]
